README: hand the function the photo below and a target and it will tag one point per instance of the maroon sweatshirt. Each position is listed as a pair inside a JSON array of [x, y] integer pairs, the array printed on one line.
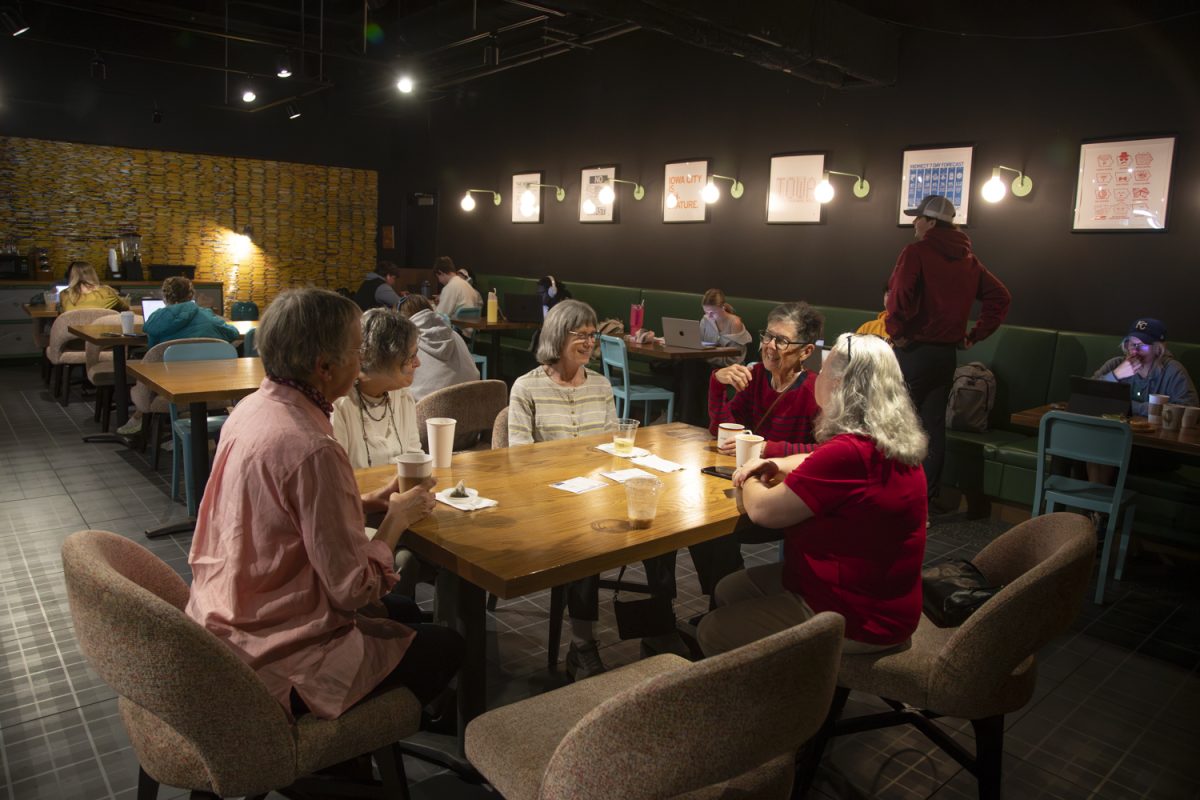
[[788, 428], [933, 286]]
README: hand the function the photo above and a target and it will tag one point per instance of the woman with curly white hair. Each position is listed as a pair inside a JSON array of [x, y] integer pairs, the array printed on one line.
[[853, 514]]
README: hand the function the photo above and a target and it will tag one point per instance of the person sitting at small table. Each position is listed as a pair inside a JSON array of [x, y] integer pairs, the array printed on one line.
[[853, 514], [445, 359], [552, 291], [456, 293], [377, 420], [280, 565], [379, 287], [1148, 367], [180, 318], [721, 326], [85, 291], [562, 398], [877, 326]]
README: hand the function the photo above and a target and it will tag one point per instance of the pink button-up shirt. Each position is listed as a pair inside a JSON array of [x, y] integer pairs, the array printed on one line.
[[279, 559]]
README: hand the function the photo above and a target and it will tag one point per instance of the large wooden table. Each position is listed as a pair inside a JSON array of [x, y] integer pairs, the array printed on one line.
[[540, 537], [481, 325], [1185, 440], [690, 368], [195, 384]]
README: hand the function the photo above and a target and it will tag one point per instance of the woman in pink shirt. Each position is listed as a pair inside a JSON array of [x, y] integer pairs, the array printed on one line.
[[280, 566], [852, 511]]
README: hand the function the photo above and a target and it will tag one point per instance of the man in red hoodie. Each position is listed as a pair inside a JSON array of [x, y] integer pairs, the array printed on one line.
[[936, 281]]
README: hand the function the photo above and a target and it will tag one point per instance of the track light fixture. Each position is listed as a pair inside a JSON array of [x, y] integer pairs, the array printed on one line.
[[13, 22], [248, 93], [292, 111], [283, 64], [157, 116]]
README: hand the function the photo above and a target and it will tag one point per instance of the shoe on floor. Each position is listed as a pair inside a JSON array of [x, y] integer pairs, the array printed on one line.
[[130, 428], [667, 643], [584, 662]]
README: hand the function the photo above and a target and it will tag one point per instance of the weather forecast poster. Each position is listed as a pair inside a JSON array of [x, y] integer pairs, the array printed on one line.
[[944, 171]]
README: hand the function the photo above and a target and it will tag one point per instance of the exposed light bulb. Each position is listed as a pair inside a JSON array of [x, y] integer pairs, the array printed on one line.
[[468, 202], [824, 191], [710, 193], [249, 96], [672, 199], [994, 190], [607, 195], [589, 207], [405, 84]]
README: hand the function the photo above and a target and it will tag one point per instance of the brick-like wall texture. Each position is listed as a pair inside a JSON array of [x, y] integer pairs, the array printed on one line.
[[312, 225]]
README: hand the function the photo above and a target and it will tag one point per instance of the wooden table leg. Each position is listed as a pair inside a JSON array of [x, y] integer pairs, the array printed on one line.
[[469, 618]]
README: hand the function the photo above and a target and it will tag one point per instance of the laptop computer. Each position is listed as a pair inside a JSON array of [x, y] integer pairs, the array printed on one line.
[[523, 308], [62, 287], [150, 306], [683, 333], [1096, 397]]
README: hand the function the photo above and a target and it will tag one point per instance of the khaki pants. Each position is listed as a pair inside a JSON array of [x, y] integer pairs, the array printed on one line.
[[751, 605]]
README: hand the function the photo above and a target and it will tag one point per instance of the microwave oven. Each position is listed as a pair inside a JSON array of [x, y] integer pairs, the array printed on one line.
[[14, 267]]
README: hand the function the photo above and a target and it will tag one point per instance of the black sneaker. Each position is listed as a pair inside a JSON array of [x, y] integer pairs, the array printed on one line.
[[584, 662]]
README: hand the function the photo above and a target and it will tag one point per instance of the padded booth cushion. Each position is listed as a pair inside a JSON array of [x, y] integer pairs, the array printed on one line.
[[843, 320], [609, 302], [1022, 360], [659, 304]]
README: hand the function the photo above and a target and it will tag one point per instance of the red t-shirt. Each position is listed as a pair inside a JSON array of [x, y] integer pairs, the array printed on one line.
[[860, 554]]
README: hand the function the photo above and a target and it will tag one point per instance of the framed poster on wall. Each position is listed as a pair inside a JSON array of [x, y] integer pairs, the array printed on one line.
[[592, 207], [1124, 184], [682, 184], [944, 171], [794, 179], [527, 197]]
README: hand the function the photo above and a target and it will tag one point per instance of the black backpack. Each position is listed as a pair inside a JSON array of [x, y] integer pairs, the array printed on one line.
[[972, 397]]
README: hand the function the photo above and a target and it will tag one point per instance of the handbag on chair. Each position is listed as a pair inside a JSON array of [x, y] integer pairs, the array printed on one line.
[[952, 591]]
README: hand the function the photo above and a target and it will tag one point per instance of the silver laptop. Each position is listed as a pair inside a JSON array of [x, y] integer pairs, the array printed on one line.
[[683, 333], [150, 306]]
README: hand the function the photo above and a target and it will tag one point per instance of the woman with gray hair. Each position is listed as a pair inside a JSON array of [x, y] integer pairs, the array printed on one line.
[[279, 562], [853, 514], [563, 399]]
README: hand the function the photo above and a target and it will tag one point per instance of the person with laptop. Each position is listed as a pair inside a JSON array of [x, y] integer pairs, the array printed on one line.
[[720, 326], [180, 318], [456, 293], [84, 290], [935, 282], [1148, 367], [445, 359]]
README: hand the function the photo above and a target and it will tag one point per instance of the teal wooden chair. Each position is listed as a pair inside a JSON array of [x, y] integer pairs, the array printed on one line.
[[1097, 441], [181, 427], [464, 312], [613, 355]]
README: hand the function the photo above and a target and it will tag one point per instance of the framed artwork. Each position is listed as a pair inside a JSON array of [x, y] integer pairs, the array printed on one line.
[[592, 207], [944, 171], [794, 179], [527, 197], [684, 180], [1124, 184], [389, 237]]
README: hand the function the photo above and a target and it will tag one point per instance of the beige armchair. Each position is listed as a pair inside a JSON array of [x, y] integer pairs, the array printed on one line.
[[473, 404], [101, 373], [985, 668], [663, 727], [197, 715], [500, 430], [66, 351]]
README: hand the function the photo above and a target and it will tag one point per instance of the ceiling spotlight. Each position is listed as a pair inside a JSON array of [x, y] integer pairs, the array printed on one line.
[[283, 65], [405, 84], [491, 52], [99, 68], [293, 112], [13, 23], [248, 93], [157, 117]]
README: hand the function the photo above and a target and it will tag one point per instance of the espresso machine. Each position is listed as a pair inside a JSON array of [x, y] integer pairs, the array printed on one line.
[[129, 251]]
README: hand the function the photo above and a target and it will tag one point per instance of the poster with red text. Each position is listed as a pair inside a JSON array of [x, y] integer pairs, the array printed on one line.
[[1123, 185], [681, 192]]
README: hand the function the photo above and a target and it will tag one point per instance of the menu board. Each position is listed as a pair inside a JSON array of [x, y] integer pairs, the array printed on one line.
[[1123, 185]]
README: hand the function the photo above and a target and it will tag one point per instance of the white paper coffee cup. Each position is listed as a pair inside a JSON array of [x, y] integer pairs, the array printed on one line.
[[749, 447], [412, 468], [440, 431]]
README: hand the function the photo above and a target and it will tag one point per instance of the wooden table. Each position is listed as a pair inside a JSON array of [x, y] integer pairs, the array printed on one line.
[[481, 325], [196, 383], [1185, 440], [689, 366], [40, 311], [539, 537]]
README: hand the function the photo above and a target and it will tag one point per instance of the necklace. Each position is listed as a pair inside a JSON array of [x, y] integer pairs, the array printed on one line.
[[364, 414]]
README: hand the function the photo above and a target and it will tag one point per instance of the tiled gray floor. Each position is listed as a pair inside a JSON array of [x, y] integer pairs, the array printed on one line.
[[1116, 713]]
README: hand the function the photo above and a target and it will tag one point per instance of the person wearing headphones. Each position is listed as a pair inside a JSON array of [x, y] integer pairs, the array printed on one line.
[[551, 292]]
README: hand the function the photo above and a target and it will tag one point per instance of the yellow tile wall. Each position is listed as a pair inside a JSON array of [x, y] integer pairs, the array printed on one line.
[[313, 225]]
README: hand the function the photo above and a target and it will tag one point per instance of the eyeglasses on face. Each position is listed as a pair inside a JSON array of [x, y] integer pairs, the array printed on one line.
[[780, 342], [585, 336]]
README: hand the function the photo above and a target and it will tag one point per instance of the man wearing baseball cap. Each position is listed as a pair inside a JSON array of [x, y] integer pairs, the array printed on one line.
[[935, 282], [1148, 367]]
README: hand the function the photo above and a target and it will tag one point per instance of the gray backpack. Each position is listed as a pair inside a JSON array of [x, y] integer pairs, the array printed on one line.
[[972, 396]]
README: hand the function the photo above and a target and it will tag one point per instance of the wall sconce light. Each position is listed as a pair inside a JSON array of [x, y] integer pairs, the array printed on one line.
[[468, 202], [560, 193], [824, 190], [672, 199], [608, 194], [14, 24], [994, 190], [405, 84], [248, 232], [711, 194]]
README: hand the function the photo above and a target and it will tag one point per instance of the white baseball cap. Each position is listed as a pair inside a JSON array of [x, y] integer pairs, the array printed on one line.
[[933, 206]]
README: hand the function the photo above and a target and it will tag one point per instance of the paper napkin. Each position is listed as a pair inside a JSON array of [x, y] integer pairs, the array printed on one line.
[[654, 462]]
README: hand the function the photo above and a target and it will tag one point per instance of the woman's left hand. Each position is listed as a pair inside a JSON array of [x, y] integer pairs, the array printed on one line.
[[763, 469], [376, 502]]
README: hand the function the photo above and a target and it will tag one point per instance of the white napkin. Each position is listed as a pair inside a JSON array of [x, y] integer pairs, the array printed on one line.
[[609, 448], [654, 462], [472, 503], [579, 485], [622, 475]]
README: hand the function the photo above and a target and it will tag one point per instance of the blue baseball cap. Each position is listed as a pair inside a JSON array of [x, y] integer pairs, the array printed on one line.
[[1148, 331]]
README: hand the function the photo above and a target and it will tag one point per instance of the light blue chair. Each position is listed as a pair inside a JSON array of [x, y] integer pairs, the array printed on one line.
[[250, 344], [181, 428], [613, 355], [464, 312], [1097, 441]]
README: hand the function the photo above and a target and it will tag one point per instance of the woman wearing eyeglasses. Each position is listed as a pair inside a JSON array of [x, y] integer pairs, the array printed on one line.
[[852, 513], [774, 398], [563, 399]]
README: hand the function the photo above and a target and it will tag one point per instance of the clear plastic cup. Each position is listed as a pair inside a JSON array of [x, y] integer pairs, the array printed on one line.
[[624, 436], [641, 496]]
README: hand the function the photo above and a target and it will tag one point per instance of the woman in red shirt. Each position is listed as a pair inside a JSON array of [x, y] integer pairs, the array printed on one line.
[[853, 514]]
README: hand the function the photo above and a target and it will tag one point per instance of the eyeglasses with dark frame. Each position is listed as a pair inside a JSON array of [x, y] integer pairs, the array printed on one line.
[[780, 342], [593, 337]]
